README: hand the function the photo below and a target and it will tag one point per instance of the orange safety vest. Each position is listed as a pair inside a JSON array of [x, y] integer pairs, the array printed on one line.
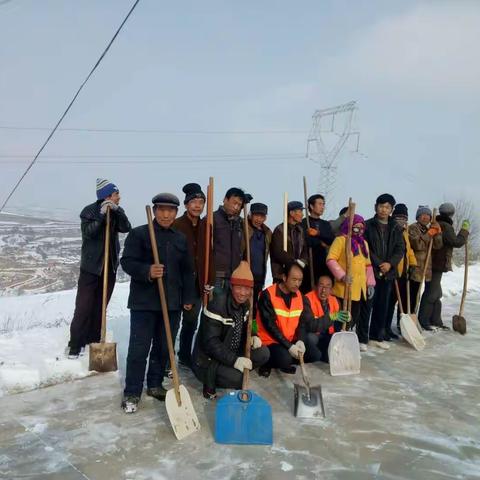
[[287, 318], [316, 304]]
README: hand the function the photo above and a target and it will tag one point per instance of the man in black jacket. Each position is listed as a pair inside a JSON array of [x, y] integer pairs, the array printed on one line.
[[219, 353], [387, 248], [87, 318], [147, 330]]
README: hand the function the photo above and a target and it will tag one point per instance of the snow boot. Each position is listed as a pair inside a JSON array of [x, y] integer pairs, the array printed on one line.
[[73, 353], [157, 392], [130, 403]]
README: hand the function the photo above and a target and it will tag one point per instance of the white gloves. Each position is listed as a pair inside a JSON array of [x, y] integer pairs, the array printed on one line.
[[370, 292], [256, 342], [296, 349], [241, 363], [107, 203]]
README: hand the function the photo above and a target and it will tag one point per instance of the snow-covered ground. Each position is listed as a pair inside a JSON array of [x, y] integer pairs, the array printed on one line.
[[34, 332]]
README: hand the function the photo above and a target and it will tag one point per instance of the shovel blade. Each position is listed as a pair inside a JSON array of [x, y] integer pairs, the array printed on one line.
[[344, 354], [103, 357], [410, 332], [415, 320], [243, 418], [182, 417], [308, 406], [459, 324]]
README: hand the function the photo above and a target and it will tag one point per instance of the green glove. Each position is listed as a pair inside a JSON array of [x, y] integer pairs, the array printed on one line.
[[342, 316], [466, 225]]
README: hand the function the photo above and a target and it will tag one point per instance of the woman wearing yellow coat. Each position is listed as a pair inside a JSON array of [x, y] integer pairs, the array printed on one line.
[[362, 279]]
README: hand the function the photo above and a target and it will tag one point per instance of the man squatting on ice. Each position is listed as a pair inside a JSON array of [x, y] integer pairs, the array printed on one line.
[[290, 319]]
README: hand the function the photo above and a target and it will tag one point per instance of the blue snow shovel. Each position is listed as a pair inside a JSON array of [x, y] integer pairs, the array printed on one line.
[[243, 417]]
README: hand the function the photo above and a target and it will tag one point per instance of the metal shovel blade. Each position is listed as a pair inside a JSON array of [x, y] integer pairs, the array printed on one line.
[[243, 418], [182, 417], [459, 324], [344, 354], [410, 332], [103, 357], [308, 404]]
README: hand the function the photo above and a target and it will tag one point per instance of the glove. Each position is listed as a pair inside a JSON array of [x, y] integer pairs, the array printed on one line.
[[208, 289], [312, 232], [466, 225], [241, 363], [347, 279], [294, 351], [301, 346], [108, 203], [342, 316], [370, 292], [256, 342], [434, 229]]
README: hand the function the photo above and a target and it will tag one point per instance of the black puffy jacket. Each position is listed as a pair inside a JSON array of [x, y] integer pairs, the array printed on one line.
[[93, 237]]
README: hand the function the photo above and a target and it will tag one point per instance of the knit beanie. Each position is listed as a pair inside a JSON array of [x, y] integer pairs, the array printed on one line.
[[242, 275], [423, 210], [400, 210], [386, 198], [191, 191], [447, 209], [105, 188]]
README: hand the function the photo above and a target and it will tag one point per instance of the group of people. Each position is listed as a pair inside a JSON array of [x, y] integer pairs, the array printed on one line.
[[294, 317]]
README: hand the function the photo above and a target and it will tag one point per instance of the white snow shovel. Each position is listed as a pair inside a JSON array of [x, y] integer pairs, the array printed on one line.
[[344, 348], [177, 402], [409, 330]]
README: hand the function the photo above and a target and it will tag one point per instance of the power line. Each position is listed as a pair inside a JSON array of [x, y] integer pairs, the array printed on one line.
[[196, 155], [69, 105]]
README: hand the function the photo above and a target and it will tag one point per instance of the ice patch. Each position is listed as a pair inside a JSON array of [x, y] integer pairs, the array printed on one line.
[[286, 467]]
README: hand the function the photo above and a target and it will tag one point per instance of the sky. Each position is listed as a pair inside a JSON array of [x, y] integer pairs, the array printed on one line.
[[253, 68]]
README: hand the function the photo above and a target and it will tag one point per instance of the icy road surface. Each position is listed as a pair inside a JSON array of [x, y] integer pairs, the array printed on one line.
[[408, 415]]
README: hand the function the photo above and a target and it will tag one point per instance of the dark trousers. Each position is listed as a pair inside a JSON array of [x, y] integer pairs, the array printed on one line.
[[402, 286], [381, 299], [229, 377], [187, 331], [87, 319], [316, 347], [147, 336], [360, 319], [430, 312], [279, 357], [414, 287]]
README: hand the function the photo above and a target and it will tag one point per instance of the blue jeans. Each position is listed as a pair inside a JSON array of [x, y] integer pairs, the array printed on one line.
[[147, 336]]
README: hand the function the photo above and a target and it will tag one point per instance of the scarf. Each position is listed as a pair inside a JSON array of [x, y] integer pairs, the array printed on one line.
[[358, 240]]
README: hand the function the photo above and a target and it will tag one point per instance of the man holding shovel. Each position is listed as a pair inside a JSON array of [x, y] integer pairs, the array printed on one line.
[[147, 330], [87, 318], [218, 356]]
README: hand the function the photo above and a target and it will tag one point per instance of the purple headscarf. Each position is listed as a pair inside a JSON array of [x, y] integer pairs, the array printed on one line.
[[358, 240]]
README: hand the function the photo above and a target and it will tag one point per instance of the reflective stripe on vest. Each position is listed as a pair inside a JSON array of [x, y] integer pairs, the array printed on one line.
[[287, 318]]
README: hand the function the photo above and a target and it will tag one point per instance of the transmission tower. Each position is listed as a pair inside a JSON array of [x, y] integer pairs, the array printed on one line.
[[331, 128]]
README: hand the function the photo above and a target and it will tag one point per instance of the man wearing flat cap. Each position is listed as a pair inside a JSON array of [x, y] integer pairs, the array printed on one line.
[[147, 332], [296, 243]]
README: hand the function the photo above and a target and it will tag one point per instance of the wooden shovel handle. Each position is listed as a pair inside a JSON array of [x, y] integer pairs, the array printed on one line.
[[347, 304], [208, 235], [106, 261], [310, 252], [399, 298], [246, 232], [163, 301], [465, 281], [285, 222], [306, 381]]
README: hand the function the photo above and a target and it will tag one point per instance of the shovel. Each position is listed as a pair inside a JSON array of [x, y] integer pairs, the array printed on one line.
[[308, 400], [413, 316], [459, 324], [310, 251], [344, 348], [103, 355], [243, 417], [179, 406], [409, 330]]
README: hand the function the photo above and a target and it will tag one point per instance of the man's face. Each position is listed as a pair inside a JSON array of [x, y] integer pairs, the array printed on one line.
[[402, 221], [324, 288], [294, 279], [114, 197], [424, 219], [232, 205], [241, 293], [296, 215], [165, 215], [383, 210], [318, 207], [258, 219], [195, 207]]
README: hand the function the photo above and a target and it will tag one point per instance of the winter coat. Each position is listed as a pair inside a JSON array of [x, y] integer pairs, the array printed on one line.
[[442, 258], [93, 237], [214, 338], [391, 249], [296, 248], [419, 241], [362, 272], [184, 224], [178, 279], [322, 322], [409, 257], [268, 240]]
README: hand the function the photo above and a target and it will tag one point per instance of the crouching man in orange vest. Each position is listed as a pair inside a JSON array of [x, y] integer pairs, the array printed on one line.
[[283, 314], [328, 319]]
